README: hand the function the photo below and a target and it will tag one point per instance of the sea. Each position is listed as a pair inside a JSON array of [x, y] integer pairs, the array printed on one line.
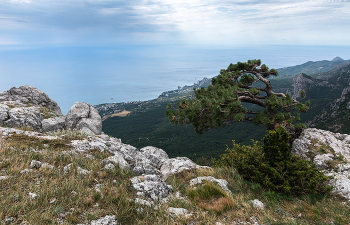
[[124, 73]]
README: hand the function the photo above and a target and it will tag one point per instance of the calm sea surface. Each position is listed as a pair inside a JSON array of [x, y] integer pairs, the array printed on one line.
[[130, 73]]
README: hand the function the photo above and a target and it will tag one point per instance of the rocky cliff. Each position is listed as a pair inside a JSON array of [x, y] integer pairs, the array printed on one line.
[[329, 96]]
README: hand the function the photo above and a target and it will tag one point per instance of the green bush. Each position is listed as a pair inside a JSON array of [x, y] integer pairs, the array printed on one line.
[[274, 166]]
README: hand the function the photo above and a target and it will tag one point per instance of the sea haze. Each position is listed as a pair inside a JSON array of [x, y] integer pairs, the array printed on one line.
[[131, 73]]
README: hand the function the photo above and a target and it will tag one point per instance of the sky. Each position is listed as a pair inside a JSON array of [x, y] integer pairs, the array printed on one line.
[[192, 22], [100, 51]]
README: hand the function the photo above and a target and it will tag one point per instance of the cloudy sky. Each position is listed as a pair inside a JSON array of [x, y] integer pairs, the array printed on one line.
[[207, 22]]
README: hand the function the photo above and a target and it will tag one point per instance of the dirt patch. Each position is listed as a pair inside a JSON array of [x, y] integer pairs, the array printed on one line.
[[121, 114]]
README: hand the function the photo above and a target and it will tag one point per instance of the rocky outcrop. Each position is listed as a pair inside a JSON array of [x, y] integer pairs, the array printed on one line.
[[54, 124], [30, 96], [330, 152], [27, 106], [24, 117], [301, 82], [83, 116]]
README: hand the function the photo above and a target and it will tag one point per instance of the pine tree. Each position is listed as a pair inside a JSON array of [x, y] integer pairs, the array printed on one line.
[[242, 92]]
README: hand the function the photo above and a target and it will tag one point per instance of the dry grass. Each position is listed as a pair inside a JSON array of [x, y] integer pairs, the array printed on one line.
[[71, 198]]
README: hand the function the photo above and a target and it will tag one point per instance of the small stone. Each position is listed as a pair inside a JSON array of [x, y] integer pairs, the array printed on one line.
[[9, 220], [179, 212], [67, 168], [109, 166], [221, 182], [26, 171], [46, 165], [35, 164], [53, 200], [82, 171], [257, 204], [4, 177], [140, 201], [32, 195]]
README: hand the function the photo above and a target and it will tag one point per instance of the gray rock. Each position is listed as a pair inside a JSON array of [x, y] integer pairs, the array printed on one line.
[[156, 156], [179, 212], [86, 145], [107, 220], [341, 185], [332, 143], [117, 159], [327, 148], [47, 166], [54, 124], [144, 166], [300, 83], [67, 168], [83, 116], [256, 203], [82, 171], [32, 195], [4, 177], [25, 117], [143, 202], [30, 96], [35, 164], [25, 171], [151, 187], [177, 165], [221, 182], [4, 113], [321, 160], [9, 220], [109, 166]]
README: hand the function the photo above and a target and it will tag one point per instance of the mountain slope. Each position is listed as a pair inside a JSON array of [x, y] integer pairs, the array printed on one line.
[[147, 124], [334, 85]]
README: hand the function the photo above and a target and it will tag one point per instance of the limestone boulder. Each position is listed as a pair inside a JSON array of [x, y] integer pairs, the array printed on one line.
[[330, 152], [117, 159], [313, 142], [31, 96], [156, 156], [151, 187], [24, 117], [221, 182], [54, 124], [4, 113], [83, 116], [177, 165]]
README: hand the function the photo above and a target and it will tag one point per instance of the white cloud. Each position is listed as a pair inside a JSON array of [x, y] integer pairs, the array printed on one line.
[[21, 1], [182, 21]]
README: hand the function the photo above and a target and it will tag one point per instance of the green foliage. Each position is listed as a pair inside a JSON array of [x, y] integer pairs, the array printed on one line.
[[221, 103], [206, 191], [152, 128], [274, 167]]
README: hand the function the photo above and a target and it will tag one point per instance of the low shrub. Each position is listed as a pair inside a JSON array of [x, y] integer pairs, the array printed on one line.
[[272, 165]]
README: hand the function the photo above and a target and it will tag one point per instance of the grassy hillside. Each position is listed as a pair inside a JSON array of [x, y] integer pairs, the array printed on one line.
[[73, 198]]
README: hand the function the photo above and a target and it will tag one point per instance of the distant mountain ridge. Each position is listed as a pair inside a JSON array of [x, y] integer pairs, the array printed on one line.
[[311, 67]]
